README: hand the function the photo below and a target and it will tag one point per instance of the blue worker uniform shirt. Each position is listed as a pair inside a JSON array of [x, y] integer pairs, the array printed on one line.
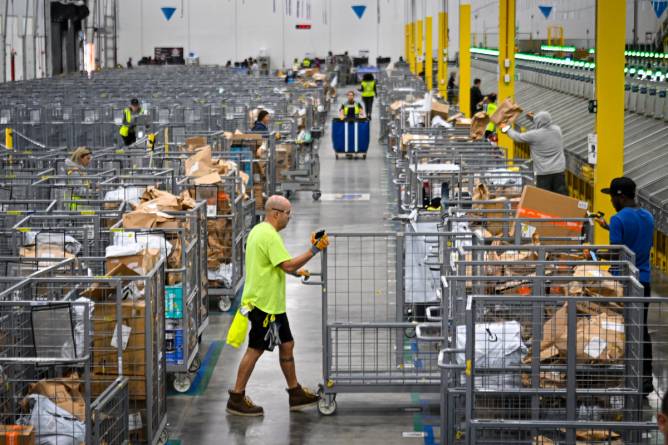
[[634, 228], [259, 126]]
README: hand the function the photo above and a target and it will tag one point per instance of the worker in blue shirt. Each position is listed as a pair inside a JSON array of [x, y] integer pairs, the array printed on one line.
[[262, 122], [633, 227]]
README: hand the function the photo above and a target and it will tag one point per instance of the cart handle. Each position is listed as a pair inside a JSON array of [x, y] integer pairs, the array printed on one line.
[[426, 337], [308, 282], [431, 310], [441, 359]]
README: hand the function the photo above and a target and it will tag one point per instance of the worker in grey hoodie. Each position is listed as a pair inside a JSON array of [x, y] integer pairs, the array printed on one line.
[[547, 151]]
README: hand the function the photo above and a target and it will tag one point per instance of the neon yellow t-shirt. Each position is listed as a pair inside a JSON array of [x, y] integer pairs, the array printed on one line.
[[265, 280]]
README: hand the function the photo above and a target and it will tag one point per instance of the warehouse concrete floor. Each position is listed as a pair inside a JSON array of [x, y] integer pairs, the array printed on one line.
[[200, 417]]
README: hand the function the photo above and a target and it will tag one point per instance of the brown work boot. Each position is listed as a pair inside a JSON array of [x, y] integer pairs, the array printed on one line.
[[301, 398], [240, 405]]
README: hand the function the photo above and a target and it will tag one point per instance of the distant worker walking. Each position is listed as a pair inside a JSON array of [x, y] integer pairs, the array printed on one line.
[[368, 90], [128, 130]]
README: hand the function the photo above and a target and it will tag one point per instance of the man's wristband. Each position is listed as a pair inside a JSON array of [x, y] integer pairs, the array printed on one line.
[[314, 250]]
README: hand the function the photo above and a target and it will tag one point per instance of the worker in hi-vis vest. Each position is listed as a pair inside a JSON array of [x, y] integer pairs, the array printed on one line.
[[368, 90], [490, 103], [128, 129], [351, 109], [306, 63]]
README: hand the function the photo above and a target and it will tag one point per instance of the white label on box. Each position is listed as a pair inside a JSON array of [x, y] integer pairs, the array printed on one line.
[[126, 331], [583, 205], [612, 326], [528, 230], [134, 422], [595, 347], [211, 211]]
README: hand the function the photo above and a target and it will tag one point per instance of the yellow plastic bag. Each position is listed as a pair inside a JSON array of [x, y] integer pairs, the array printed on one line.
[[236, 335]]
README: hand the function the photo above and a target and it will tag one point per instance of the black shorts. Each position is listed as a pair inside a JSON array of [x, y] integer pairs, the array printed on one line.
[[258, 331], [130, 139]]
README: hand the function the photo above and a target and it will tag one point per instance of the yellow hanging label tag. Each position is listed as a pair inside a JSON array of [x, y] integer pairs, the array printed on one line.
[[468, 368]]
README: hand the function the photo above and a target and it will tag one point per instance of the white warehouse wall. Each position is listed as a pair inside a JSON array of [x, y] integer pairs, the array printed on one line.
[[35, 60], [576, 16], [223, 30]]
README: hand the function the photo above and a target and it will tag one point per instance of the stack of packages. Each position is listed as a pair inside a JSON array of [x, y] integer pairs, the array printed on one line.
[[57, 414], [252, 151], [207, 175], [133, 326]]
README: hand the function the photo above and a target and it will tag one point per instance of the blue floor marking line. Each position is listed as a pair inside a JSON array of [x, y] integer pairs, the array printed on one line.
[[206, 364], [429, 437]]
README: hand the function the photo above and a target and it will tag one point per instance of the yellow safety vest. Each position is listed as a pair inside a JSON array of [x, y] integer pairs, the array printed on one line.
[[306, 63], [368, 88], [491, 108], [346, 107], [125, 128]]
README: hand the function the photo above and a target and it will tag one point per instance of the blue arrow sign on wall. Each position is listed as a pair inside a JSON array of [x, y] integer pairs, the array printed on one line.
[[659, 6], [168, 12], [546, 10], [359, 10]]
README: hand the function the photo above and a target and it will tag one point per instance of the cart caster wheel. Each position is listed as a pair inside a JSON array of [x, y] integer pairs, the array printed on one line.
[[316, 195], [224, 304], [164, 437], [182, 383], [195, 365], [364, 157], [327, 403], [337, 157]]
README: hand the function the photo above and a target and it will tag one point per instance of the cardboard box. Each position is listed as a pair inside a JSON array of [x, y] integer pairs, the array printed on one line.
[[105, 353], [141, 263], [196, 142], [17, 435], [65, 393], [478, 125], [538, 204], [439, 109]]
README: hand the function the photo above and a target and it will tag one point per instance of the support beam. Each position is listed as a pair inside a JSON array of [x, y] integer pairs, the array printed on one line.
[[464, 58], [411, 56], [442, 58], [419, 47], [407, 42], [429, 54], [506, 86], [610, 32]]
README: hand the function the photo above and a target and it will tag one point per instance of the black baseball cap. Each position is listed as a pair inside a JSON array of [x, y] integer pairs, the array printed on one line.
[[621, 187], [134, 101]]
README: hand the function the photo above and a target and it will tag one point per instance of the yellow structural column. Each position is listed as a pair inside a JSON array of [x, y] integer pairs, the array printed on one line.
[[464, 58], [506, 87], [442, 60], [9, 138], [411, 46], [407, 42], [419, 48], [610, 32], [429, 54]]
